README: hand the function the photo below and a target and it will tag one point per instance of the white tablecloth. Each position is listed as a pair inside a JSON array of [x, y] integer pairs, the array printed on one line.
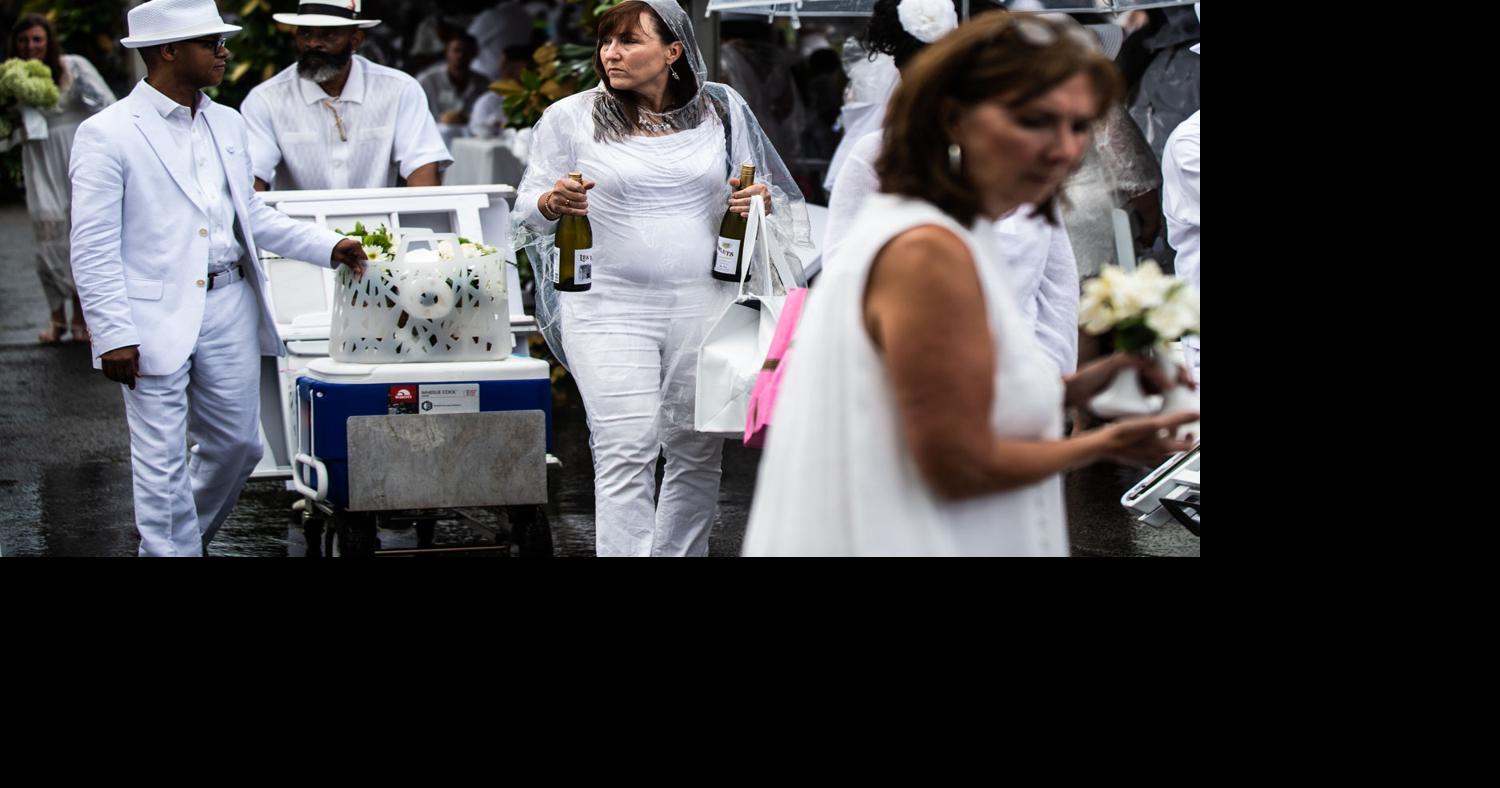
[[483, 161]]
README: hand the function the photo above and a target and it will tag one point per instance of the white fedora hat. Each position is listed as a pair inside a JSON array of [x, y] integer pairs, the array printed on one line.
[[327, 13], [165, 21]]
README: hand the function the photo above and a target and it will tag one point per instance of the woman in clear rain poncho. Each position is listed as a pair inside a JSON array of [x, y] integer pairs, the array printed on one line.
[[657, 145], [81, 93]]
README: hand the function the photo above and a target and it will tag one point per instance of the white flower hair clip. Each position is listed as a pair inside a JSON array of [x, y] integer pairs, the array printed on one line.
[[927, 20]]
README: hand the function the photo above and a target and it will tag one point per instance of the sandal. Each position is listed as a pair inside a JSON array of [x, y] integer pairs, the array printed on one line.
[[81, 333], [53, 333]]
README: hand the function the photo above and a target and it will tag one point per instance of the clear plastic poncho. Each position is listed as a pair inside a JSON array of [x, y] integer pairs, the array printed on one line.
[[871, 82], [1117, 168], [658, 202]]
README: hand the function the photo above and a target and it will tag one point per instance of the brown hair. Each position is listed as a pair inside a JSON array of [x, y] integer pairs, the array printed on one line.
[[626, 17], [53, 58], [992, 55]]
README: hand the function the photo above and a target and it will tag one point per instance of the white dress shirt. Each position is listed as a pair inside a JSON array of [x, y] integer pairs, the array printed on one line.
[[192, 139], [1180, 203]]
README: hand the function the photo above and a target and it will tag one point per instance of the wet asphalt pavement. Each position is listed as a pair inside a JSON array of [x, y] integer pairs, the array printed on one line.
[[65, 463]]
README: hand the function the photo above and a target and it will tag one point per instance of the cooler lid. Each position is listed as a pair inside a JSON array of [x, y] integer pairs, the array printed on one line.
[[510, 368]]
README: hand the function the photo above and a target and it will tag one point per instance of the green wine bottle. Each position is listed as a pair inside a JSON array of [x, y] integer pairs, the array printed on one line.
[[732, 236], [573, 255]]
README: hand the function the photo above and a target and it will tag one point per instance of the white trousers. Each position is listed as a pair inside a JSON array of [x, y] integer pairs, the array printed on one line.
[[213, 401], [634, 356]]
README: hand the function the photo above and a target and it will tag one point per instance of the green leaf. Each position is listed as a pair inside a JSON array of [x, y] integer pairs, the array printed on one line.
[[576, 52]]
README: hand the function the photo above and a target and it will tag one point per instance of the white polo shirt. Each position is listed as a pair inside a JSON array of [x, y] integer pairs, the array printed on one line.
[[377, 128]]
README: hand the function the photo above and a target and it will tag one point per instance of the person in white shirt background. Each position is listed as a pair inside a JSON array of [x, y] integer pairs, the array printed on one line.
[[334, 120], [1180, 204], [1036, 247], [453, 86], [487, 118]]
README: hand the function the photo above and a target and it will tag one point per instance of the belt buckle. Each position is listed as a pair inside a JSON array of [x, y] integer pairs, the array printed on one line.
[[239, 269]]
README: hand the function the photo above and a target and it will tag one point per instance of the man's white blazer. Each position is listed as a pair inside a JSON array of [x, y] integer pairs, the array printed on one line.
[[140, 238]]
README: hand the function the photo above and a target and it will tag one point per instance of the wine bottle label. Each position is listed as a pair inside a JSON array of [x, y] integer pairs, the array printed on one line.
[[583, 266], [728, 253]]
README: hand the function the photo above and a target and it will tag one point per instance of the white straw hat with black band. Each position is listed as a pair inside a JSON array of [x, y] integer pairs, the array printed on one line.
[[328, 13]]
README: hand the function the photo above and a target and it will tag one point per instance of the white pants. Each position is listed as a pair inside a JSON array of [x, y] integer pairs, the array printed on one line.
[[634, 356], [213, 400]]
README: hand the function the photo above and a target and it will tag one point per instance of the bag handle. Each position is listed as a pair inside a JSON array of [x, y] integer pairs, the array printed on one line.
[[756, 232], [751, 245], [422, 235]]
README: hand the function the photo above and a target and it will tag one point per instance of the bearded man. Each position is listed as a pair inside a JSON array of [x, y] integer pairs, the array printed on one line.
[[334, 120]]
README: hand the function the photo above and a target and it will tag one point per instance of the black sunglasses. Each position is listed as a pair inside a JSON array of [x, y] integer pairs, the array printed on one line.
[[214, 43]]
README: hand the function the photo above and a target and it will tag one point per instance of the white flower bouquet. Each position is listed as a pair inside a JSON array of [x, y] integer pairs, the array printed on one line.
[[1144, 311], [380, 246]]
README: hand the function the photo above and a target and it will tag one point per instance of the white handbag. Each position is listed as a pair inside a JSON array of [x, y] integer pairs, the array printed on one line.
[[735, 346]]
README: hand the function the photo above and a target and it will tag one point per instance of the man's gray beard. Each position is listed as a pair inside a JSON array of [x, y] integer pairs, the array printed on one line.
[[319, 74]]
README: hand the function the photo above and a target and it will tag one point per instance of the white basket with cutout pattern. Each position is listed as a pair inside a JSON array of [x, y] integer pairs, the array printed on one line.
[[421, 308]]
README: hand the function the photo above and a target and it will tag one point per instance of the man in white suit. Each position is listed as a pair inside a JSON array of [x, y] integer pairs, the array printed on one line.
[[165, 230]]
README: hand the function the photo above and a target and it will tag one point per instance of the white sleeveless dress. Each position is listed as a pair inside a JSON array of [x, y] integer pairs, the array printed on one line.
[[837, 476]]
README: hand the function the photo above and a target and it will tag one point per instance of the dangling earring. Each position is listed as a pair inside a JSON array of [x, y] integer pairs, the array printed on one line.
[[673, 71], [955, 158]]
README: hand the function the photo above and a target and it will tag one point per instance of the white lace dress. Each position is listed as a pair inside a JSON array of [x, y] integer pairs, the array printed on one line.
[[45, 164]]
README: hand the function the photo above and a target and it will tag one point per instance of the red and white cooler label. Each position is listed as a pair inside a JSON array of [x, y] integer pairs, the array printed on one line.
[[403, 399]]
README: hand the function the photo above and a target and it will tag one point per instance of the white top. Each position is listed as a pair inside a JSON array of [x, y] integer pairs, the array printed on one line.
[[44, 163], [192, 139], [1040, 256], [1179, 204], [443, 97], [656, 210], [837, 476], [295, 137], [487, 118], [1044, 274]]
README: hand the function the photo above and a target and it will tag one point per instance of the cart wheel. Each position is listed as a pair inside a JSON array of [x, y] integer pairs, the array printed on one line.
[[356, 536], [312, 534], [426, 530], [530, 533]]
